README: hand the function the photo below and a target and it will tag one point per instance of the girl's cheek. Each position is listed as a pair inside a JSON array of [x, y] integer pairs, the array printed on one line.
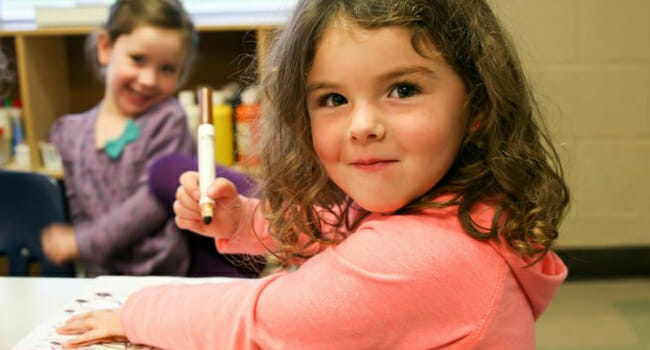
[[169, 86]]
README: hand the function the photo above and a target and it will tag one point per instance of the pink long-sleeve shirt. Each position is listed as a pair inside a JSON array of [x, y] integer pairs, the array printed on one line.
[[397, 282]]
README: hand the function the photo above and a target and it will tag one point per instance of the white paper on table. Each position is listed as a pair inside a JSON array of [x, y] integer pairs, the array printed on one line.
[[104, 292]]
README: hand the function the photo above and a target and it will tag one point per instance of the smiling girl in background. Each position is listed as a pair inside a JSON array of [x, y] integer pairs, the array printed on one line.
[[404, 172], [143, 51]]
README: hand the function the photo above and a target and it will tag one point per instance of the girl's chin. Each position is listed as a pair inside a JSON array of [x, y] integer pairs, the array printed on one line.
[[135, 107], [132, 101], [380, 208], [132, 111]]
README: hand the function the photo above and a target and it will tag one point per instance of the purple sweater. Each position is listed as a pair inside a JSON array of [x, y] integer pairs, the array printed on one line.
[[119, 225]]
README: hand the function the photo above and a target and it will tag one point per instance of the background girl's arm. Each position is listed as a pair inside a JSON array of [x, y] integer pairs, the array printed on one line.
[[61, 137]]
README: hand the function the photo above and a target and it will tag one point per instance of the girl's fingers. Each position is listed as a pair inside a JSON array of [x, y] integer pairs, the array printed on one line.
[[80, 317], [94, 327], [189, 181], [77, 325], [92, 337], [189, 224], [186, 200], [186, 213], [71, 330], [222, 189]]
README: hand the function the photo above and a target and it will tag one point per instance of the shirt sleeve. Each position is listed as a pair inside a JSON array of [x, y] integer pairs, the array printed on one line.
[[141, 214], [60, 137], [383, 287], [131, 221], [252, 235]]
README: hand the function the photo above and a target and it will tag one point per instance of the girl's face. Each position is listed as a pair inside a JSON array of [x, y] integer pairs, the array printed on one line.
[[142, 67], [386, 122]]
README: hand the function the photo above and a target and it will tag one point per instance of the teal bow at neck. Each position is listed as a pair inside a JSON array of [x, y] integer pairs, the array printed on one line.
[[115, 147]]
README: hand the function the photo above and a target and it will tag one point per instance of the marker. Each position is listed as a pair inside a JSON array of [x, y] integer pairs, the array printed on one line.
[[205, 141]]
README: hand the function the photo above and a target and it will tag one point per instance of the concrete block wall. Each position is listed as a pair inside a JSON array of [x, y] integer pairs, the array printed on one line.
[[589, 61]]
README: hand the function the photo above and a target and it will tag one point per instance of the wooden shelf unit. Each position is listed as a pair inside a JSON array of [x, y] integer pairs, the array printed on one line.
[[54, 77]]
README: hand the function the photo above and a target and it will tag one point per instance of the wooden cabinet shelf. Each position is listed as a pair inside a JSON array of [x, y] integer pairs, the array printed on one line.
[[54, 77]]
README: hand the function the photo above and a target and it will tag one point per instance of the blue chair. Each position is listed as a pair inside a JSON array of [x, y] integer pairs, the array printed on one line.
[[28, 203]]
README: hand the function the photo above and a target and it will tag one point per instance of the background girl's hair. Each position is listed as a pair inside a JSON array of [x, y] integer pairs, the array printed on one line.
[[126, 15], [507, 160]]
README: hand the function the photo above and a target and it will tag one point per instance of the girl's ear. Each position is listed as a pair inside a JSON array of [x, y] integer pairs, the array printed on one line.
[[104, 48]]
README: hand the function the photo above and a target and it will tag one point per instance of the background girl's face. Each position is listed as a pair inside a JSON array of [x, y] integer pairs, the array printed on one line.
[[142, 67], [386, 122]]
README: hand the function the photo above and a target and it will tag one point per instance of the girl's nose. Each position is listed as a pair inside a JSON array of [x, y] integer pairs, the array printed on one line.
[[366, 125], [148, 77]]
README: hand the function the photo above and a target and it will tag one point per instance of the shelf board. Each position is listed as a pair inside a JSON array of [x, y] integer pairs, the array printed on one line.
[[51, 172], [203, 24]]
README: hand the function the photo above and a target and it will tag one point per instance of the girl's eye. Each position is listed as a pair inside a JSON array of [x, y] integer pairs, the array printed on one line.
[[403, 90], [168, 69], [333, 100], [137, 59]]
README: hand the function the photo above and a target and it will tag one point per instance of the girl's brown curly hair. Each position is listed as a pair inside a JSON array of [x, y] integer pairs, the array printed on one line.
[[507, 160]]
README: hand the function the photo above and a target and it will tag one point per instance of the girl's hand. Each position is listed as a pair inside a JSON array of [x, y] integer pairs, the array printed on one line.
[[227, 207], [59, 243], [94, 327]]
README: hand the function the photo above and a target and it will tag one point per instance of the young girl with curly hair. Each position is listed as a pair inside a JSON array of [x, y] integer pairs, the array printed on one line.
[[405, 172]]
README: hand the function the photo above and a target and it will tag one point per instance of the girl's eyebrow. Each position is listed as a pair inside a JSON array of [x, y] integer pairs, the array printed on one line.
[[390, 75], [322, 85], [402, 71]]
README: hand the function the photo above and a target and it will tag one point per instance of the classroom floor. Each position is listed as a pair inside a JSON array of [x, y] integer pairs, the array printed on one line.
[[597, 315]]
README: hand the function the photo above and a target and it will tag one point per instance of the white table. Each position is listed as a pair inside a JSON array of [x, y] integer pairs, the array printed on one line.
[[26, 302]]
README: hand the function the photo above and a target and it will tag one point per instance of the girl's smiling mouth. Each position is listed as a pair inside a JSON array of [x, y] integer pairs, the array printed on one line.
[[372, 164]]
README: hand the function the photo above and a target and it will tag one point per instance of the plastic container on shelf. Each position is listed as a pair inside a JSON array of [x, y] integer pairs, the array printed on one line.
[[192, 112], [51, 157], [223, 135], [22, 156], [186, 97], [13, 107], [230, 92], [17, 136], [247, 116], [5, 147], [188, 102], [5, 122]]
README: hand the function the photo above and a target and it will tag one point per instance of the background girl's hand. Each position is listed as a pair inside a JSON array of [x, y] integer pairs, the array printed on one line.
[[94, 327], [59, 243], [227, 208]]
